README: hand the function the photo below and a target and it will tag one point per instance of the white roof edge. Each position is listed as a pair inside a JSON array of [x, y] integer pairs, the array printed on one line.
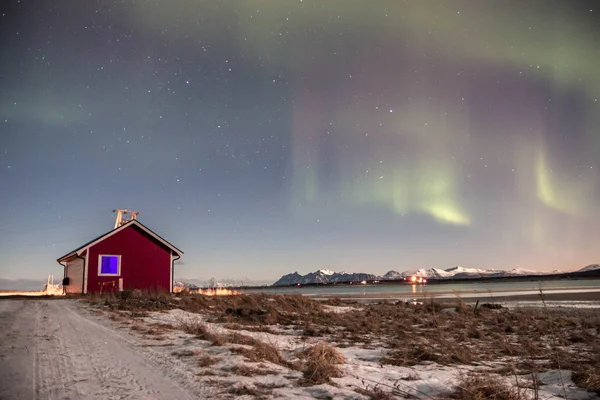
[[78, 252], [154, 235]]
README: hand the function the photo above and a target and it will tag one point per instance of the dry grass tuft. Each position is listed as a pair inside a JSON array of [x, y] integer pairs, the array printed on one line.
[[194, 326], [375, 393], [158, 328], [587, 378], [269, 385], [205, 360], [244, 390], [268, 352], [194, 302], [207, 372], [183, 353], [321, 363], [138, 303], [262, 351], [483, 387], [249, 370], [412, 376], [137, 327], [238, 338], [406, 355]]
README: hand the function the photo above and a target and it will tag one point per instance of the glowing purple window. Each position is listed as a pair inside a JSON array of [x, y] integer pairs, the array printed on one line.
[[109, 265]]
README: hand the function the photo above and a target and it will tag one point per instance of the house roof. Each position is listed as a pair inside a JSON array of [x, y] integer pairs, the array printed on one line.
[[133, 222]]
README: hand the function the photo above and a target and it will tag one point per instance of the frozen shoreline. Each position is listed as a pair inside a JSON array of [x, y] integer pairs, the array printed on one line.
[[558, 297]]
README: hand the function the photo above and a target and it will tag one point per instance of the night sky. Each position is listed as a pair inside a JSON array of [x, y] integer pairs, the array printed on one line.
[[266, 137]]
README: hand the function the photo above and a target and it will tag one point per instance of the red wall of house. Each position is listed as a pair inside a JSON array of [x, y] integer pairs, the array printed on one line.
[[145, 263]]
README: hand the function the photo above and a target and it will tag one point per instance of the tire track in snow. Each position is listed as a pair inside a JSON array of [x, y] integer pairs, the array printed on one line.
[[113, 375], [59, 351], [53, 365], [173, 369], [17, 377]]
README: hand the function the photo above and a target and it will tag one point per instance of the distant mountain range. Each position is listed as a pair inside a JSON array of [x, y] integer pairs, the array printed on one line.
[[327, 276], [22, 284], [193, 283], [324, 276], [593, 267]]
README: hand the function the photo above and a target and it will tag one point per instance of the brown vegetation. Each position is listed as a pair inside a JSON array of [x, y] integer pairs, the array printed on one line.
[[261, 351], [527, 341], [375, 393], [484, 387], [587, 377], [205, 360], [248, 370]]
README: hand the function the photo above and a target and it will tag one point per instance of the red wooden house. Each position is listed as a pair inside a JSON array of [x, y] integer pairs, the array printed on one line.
[[128, 257]]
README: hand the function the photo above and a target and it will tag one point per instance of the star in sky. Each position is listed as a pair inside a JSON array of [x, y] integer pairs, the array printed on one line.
[[267, 137]]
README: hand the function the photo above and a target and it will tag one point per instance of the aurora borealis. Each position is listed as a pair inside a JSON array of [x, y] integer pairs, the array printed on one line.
[[264, 137]]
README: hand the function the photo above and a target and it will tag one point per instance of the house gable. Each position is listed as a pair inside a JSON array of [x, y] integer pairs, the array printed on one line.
[[80, 250], [144, 262]]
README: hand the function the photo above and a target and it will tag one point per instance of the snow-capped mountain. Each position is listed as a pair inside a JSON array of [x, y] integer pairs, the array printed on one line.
[[326, 272], [324, 276], [520, 271], [392, 275], [328, 276], [591, 267], [221, 283], [427, 273], [184, 285], [463, 270]]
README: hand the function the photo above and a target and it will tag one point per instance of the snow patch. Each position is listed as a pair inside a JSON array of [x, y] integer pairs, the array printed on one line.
[[591, 267], [326, 271]]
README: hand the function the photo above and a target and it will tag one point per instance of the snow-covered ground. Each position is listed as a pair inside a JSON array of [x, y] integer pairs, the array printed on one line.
[[54, 349], [363, 374], [58, 349]]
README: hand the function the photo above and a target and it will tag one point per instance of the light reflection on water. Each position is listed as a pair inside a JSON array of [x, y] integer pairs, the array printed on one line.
[[401, 289]]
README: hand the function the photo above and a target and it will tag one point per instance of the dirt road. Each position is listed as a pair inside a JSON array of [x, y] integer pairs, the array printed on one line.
[[55, 349]]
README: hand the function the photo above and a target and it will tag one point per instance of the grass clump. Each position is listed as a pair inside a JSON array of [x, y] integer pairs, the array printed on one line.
[[482, 387], [262, 351], [238, 338], [321, 364], [244, 390], [183, 353], [205, 360], [587, 378], [375, 393], [249, 370], [268, 352], [194, 326]]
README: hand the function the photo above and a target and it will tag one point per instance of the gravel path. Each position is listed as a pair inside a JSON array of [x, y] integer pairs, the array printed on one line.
[[55, 349]]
